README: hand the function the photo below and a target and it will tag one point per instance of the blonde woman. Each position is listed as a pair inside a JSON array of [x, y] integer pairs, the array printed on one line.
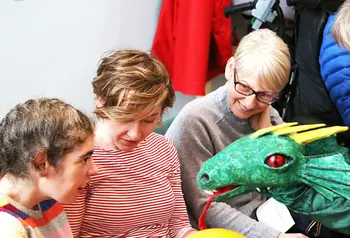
[[45, 160], [256, 74], [137, 192]]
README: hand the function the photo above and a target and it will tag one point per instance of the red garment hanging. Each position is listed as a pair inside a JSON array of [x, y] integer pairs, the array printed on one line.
[[193, 40]]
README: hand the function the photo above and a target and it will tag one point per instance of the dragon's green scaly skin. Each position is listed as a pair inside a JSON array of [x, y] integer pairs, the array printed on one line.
[[308, 172]]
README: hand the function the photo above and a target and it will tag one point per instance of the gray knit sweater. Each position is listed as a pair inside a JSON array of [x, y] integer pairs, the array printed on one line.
[[204, 127]]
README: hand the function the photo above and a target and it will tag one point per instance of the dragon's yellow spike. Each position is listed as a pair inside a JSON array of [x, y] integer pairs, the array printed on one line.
[[271, 129], [310, 136], [294, 129]]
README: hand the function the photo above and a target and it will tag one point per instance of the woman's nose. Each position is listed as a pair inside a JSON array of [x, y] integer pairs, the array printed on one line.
[[135, 131], [93, 170], [250, 101]]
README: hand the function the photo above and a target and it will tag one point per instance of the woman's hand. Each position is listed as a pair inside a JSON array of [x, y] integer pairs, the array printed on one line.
[[261, 120]]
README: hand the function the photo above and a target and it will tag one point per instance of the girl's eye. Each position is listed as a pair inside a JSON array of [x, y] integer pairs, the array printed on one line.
[[84, 161]]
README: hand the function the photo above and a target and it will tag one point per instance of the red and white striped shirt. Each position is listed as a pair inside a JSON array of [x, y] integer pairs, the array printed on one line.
[[135, 194]]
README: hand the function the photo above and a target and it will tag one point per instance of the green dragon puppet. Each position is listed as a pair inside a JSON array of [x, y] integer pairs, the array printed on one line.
[[301, 166]]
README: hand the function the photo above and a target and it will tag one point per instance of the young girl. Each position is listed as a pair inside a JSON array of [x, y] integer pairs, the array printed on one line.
[[45, 160], [137, 192]]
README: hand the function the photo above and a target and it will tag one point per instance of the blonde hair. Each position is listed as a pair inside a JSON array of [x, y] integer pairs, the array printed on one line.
[[130, 81], [341, 26], [264, 52]]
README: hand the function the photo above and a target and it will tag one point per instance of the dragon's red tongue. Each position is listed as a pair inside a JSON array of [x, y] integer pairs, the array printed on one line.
[[201, 222]]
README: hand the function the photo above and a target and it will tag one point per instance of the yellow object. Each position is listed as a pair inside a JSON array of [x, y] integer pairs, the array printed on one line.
[[270, 129], [310, 136], [295, 129], [215, 233], [302, 138]]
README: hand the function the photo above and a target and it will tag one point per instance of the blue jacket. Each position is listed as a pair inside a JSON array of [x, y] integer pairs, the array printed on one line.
[[335, 70]]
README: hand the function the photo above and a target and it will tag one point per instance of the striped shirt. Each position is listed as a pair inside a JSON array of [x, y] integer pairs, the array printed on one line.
[[48, 221], [135, 194]]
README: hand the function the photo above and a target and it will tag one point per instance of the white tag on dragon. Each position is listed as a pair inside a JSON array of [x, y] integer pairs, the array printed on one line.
[[275, 215]]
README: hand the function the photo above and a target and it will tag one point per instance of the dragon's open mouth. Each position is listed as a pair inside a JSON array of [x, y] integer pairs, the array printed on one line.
[[227, 192], [218, 192]]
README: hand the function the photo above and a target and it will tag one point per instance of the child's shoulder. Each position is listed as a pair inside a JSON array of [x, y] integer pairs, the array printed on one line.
[[161, 146], [162, 149], [159, 141], [10, 225]]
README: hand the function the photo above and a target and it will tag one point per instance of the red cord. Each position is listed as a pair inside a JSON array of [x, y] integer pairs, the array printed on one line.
[[201, 222]]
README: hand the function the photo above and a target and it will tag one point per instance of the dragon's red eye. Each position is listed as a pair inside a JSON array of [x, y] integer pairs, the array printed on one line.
[[276, 161]]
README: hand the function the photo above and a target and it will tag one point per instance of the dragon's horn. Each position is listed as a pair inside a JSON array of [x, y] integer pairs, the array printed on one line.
[[294, 129], [310, 136], [271, 129]]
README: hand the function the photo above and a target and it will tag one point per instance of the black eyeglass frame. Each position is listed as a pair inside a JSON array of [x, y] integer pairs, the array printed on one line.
[[235, 82]]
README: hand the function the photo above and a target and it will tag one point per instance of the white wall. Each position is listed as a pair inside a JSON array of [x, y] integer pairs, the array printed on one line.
[[51, 47]]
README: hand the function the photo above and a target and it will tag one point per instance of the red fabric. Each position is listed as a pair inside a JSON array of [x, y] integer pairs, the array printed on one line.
[[193, 40]]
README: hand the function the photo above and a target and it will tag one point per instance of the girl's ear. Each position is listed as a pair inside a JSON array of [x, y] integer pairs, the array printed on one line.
[[40, 162], [229, 68]]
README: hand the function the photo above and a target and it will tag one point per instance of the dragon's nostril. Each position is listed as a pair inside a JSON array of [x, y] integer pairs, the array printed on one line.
[[204, 178]]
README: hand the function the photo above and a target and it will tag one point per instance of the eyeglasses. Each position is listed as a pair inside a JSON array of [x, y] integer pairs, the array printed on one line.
[[247, 91]]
